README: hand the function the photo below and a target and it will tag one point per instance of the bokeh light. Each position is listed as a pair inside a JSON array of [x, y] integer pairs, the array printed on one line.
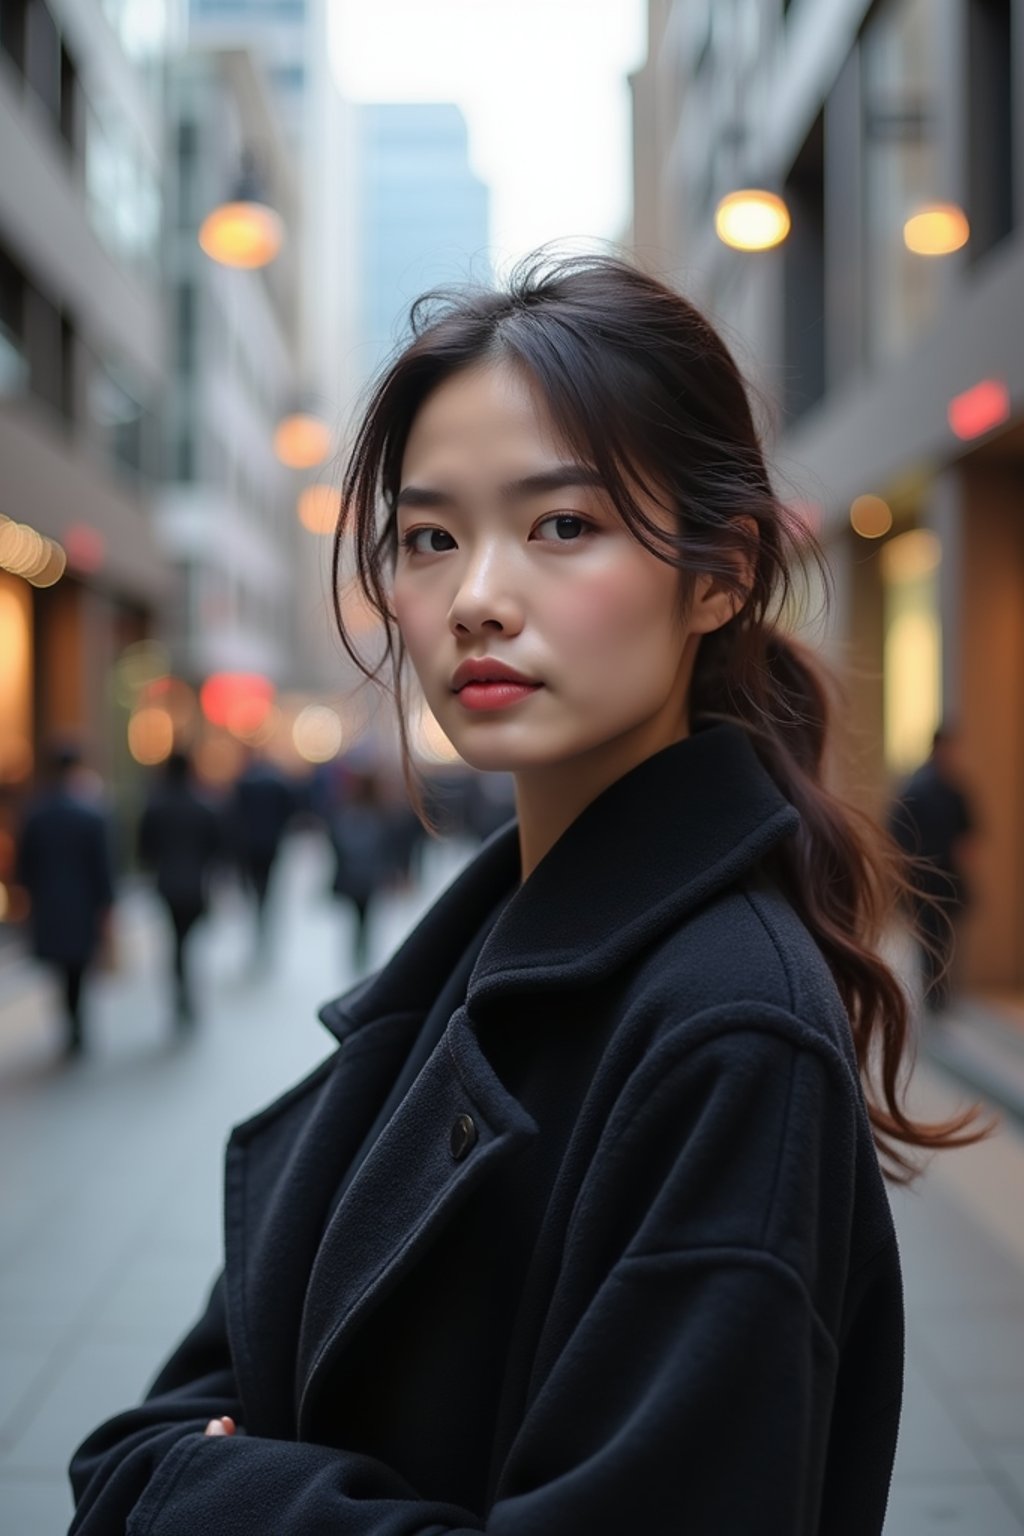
[[85, 546], [912, 556], [239, 701], [150, 735], [317, 507], [356, 610], [752, 219], [317, 733], [428, 741], [978, 409], [243, 234], [302, 441], [870, 516], [137, 668], [936, 230]]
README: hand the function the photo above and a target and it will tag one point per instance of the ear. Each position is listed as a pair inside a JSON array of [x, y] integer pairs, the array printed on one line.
[[714, 603]]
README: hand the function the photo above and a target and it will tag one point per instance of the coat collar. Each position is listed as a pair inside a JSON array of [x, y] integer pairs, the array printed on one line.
[[673, 832]]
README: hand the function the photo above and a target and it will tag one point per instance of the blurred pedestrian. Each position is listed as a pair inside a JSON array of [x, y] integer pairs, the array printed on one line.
[[64, 864], [932, 821], [362, 836], [180, 840], [259, 809]]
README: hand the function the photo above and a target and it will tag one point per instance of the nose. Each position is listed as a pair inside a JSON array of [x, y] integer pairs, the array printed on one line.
[[486, 600]]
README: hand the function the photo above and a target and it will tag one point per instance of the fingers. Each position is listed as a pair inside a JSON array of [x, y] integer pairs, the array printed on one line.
[[222, 1426]]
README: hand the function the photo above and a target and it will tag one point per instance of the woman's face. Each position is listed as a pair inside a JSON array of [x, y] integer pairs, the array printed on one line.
[[510, 556]]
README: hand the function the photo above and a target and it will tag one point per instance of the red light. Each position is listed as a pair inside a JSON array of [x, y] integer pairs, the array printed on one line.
[[227, 695], [85, 547], [979, 408]]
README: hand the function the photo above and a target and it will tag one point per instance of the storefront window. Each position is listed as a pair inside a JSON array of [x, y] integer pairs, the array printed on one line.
[[902, 117], [913, 647]]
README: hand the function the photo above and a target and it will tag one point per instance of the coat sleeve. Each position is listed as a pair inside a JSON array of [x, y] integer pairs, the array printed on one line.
[[690, 1387]]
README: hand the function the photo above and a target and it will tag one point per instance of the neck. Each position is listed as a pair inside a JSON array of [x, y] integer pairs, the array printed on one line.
[[549, 798]]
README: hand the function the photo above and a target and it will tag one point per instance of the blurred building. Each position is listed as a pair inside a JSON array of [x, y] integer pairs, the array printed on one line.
[[226, 513], [896, 377], [290, 41], [424, 215], [82, 369]]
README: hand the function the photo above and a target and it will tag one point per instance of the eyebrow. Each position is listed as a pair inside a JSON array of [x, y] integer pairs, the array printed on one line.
[[556, 479]]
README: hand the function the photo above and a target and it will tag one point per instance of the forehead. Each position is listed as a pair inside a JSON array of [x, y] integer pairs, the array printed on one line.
[[487, 413]]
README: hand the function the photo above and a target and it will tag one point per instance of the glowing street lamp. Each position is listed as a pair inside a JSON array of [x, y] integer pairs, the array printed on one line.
[[936, 229], [752, 219], [244, 231], [302, 440]]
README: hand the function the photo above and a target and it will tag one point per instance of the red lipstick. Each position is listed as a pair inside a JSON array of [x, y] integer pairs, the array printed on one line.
[[484, 683]]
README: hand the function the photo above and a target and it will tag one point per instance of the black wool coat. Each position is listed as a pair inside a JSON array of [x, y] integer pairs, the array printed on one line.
[[707, 1332]]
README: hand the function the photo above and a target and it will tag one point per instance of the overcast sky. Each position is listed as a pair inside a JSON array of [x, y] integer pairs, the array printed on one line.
[[542, 84]]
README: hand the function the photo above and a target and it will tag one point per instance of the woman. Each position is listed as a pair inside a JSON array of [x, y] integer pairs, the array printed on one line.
[[582, 1228]]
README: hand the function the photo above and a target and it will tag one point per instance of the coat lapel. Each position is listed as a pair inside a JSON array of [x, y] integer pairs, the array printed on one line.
[[455, 1124], [282, 1169]]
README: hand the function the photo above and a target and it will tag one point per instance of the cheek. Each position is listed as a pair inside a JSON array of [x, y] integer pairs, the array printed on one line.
[[617, 609], [416, 617]]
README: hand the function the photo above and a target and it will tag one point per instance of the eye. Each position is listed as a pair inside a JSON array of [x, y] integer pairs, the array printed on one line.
[[562, 528], [427, 541]]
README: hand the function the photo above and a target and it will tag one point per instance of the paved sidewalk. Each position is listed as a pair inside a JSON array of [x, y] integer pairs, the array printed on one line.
[[110, 1212]]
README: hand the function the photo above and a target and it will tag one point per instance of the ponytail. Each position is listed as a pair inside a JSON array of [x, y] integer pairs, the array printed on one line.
[[845, 877]]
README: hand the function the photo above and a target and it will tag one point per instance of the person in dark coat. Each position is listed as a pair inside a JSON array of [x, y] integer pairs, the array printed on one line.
[[932, 821], [259, 809], [581, 1227], [179, 839], [362, 833], [63, 862]]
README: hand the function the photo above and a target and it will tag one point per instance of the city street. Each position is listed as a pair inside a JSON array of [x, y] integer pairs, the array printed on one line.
[[110, 1202]]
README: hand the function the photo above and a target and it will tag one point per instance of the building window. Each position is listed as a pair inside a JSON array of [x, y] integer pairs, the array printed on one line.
[[119, 416], [122, 185], [47, 347], [14, 369]]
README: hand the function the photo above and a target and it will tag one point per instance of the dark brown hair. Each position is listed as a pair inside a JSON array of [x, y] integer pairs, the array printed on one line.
[[643, 389]]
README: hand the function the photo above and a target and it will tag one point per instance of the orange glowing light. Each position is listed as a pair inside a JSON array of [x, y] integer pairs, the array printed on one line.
[[302, 441], [752, 219], [870, 516], [150, 735], [979, 409], [242, 234], [318, 508], [938, 229]]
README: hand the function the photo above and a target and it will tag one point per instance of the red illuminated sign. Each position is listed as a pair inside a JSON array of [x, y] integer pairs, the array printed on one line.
[[239, 700], [979, 409]]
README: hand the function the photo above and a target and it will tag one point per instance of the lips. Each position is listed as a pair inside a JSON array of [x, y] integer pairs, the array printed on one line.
[[485, 670]]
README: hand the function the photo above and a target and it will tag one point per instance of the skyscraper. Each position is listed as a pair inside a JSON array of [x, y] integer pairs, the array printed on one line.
[[424, 215]]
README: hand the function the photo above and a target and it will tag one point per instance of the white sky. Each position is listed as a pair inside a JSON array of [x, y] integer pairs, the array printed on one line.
[[543, 87]]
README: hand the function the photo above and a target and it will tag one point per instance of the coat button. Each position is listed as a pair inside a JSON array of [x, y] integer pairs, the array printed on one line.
[[463, 1137]]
